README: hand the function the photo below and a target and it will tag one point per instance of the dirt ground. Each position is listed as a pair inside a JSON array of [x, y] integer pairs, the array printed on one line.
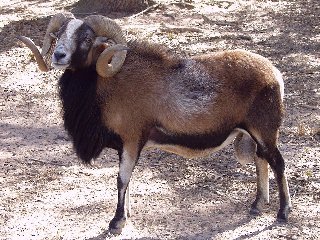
[[46, 193]]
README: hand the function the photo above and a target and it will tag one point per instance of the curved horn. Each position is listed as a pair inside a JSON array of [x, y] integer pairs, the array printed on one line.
[[30, 44], [115, 52], [54, 25], [106, 27]]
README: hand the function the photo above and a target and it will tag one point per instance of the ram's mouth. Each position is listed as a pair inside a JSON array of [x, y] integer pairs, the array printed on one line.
[[60, 66]]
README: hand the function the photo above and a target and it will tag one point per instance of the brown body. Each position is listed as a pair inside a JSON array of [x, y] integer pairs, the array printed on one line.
[[201, 95]]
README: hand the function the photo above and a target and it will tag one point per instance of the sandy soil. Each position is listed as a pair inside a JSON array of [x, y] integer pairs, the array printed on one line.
[[47, 194]]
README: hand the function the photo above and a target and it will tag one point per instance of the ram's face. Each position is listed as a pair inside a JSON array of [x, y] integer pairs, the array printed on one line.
[[74, 42], [80, 44]]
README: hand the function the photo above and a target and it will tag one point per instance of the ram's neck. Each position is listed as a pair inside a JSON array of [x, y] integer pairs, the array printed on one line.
[[82, 114]]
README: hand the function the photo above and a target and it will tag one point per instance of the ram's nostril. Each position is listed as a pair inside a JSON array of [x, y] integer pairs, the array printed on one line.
[[59, 55]]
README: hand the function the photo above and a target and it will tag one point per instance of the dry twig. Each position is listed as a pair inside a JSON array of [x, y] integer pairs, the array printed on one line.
[[146, 10], [177, 29], [219, 23], [183, 5]]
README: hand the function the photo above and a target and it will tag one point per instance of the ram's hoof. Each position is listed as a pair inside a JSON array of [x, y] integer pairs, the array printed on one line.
[[116, 225], [255, 211], [282, 216], [256, 208]]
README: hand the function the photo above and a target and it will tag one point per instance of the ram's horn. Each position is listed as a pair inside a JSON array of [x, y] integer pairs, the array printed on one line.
[[30, 44], [106, 27], [115, 52]]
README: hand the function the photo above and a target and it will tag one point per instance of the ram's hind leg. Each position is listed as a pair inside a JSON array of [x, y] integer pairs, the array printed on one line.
[[272, 154], [245, 150], [263, 123], [278, 167], [262, 196]]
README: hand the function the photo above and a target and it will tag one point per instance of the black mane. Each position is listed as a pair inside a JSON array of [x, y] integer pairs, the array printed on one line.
[[82, 114]]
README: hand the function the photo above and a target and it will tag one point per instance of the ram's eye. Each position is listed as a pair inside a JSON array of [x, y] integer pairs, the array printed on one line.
[[53, 35], [88, 40]]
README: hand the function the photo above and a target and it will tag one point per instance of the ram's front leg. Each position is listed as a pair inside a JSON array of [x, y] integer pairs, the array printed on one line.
[[128, 159]]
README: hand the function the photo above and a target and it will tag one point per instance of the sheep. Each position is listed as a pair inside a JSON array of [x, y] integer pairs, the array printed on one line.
[[131, 96]]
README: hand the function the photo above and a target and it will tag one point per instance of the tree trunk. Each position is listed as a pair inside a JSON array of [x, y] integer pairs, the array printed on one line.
[[107, 6]]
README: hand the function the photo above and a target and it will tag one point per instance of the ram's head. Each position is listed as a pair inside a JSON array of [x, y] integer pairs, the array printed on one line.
[[71, 43]]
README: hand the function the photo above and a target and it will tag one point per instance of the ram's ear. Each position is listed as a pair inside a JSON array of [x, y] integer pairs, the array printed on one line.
[[99, 45], [97, 50]]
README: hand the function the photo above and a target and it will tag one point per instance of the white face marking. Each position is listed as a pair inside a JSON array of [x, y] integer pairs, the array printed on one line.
[[66, 45], [72, 27]]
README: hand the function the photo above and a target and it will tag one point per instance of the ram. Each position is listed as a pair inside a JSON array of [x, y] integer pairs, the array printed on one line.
[[136, 95]]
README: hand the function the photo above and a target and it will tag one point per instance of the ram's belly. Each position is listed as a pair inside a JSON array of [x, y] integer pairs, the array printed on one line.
[[190, 146]]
